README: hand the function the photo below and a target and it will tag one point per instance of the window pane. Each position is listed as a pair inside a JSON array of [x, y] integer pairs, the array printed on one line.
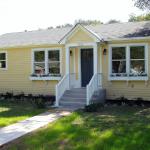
[[118, 67], [118, 53], [39, 68], [2, 64], [137, 52], [2, 56], [53, 55], [54, 68], [39, 56], [137, 67]]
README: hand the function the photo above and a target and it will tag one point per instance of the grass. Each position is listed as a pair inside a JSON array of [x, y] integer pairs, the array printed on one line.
[[11, 112], [114, 128]]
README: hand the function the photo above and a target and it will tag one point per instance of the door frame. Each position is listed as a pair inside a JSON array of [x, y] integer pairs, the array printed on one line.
[[80, 68]]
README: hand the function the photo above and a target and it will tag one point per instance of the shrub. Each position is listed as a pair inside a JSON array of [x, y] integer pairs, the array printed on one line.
[[95, 107], [38, 101]]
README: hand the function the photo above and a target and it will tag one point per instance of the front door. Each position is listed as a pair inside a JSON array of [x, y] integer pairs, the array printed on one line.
[[86, 66]]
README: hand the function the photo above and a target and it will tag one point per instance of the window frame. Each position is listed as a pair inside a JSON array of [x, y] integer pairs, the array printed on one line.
[[46, 50], [128, 62], [6, 60]]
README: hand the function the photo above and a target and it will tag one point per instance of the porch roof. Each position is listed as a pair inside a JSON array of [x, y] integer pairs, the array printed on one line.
[[105, 32]]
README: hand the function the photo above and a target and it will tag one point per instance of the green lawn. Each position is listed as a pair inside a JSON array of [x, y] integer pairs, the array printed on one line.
[[114, 128], [13, 112]]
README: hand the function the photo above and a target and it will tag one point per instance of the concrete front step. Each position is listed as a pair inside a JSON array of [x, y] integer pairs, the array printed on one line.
[[72, 103], [73, 98], [75, 93], [79, 105]]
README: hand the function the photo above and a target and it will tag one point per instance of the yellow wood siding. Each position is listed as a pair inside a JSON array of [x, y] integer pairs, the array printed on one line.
[[131, 89], [79, 37], [16, 78]]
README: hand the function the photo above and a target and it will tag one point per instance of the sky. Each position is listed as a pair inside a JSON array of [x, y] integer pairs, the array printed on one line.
[[20, 15]]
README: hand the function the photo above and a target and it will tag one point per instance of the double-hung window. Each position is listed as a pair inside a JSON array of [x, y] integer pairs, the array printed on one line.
[[54, 62], [39, 62], [137, 61], [46, 62], [119, 60], [3, 60], [128, 61]]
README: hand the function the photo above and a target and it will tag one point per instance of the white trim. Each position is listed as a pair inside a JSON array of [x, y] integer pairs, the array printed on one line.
[[44, 78], [95, 59], [6, 54], [101, 52], [46, 50], [67, 60], [80, 44], [127, 46], [138, 78]]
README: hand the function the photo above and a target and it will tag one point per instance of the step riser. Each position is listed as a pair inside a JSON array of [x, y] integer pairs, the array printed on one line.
[[72, 99], [73, 105], [79, 92], [70, 92], [74, 96]]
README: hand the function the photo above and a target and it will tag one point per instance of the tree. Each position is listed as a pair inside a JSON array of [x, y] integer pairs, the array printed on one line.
[[88, 22], [134, 18], [113, 21], [142, 4]]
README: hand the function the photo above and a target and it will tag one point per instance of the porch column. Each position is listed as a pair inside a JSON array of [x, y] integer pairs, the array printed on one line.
[[67, 60], [95, 58]]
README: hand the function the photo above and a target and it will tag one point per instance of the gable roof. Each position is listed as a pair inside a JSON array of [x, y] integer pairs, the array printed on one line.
[[105, 32], [80, 26]]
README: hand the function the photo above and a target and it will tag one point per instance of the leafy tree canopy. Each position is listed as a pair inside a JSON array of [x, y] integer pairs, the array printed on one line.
[[142, 4], [88, 22], [113, 21], [134, 18]]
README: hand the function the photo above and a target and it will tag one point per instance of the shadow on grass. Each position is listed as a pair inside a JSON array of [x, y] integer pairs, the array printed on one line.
[[114, 128]]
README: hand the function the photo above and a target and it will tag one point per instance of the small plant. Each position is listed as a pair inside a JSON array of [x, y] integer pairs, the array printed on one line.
[[39, 101], [139, 101], [95, 107], [8, 95]]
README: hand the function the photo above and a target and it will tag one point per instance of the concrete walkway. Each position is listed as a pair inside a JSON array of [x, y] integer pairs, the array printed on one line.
[[14, 131]]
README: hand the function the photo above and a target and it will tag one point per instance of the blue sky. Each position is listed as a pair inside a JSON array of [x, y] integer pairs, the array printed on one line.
[[20, 15]]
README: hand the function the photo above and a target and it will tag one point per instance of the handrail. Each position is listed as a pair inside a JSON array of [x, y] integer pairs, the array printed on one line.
[[63, 85], [93, 85]]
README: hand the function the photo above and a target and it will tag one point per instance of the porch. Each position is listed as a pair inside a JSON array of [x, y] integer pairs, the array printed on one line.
[[83, 76]]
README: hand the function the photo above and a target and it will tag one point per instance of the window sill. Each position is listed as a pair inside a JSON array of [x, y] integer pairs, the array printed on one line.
[[129, 78], [45, 78]]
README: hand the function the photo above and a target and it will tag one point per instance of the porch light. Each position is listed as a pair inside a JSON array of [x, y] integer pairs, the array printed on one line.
[[70, 53], [105, 51]]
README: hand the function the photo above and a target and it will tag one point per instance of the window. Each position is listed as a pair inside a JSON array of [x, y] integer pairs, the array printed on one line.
[[128, 61], [53, 62], [3, 60], [46, 62], [119, 60], [39, 62], [137, 60]]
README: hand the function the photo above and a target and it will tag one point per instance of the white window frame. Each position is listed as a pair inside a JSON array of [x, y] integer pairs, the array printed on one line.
[[127, 46], [46, 63], [6, 68]]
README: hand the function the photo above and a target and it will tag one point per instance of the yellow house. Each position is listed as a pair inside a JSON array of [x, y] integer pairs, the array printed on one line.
[[73, 63]]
